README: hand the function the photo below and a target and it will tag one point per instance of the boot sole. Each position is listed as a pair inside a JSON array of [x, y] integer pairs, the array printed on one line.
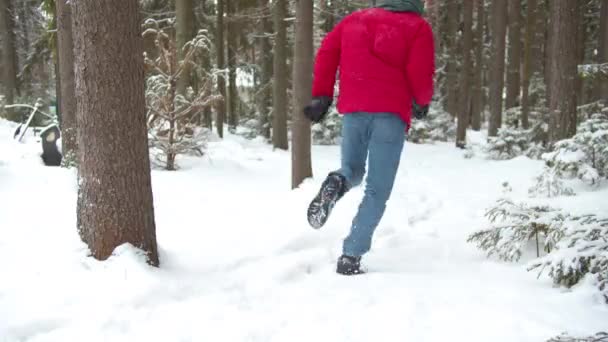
[[320, 208]]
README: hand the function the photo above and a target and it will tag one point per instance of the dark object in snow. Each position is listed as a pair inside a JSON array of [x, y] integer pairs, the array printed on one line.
[[348, 265], [50, 153], [318, 108], [332, 189], [17, 131]]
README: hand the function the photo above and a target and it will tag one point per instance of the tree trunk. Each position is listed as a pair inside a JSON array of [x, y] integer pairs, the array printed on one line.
[[497, 73], [9, 56], [221, 64], [527, 69], [65, 51], [279, 123], [477, 95], [601, 85], [465, 75], [206, 62], [514, 58], [302, 83], [563, 69], [184, 11], [115, 204], [231, 36], [265, 93], [581, 38], [452, 51]]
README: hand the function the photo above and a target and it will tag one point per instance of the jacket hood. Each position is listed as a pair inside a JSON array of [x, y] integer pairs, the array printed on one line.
[[402, 6]]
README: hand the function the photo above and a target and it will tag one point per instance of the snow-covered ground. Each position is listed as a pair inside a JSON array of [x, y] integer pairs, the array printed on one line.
[[240, 263]]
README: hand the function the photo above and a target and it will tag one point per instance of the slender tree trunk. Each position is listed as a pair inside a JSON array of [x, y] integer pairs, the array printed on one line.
[[302, 83], [601, 85], [279, 123], [527, 67], [65, 51], [477, 95], [184, 11], [221, 64], [514, 52], [497, 73], [206, 63], [231, 35], [265, 96], [452, 50], [563, 69], [9, 56], [581, 38], [115, 204], [465, 75]]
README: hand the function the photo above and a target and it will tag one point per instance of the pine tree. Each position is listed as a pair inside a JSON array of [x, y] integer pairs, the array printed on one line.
[[65, 51], [302, 83], [114, 189]]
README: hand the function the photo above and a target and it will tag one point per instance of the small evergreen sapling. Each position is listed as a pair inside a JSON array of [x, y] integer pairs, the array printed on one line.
[[599, 337], [514, 226], [582, 251], [584, 156]]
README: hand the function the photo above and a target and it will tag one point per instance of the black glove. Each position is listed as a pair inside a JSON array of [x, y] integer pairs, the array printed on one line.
[[420, 112], [318, 108]]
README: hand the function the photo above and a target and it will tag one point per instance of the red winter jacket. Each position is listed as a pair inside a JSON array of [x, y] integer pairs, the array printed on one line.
[[386, 60]]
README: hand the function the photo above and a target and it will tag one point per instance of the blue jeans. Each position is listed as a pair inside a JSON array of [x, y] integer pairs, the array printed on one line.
[[380, 136]]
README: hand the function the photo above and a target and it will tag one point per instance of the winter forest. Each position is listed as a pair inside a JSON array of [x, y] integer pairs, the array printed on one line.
[[157, 165]]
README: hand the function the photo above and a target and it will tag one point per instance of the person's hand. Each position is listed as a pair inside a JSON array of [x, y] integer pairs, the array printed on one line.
[[318, 108], [420, 112]]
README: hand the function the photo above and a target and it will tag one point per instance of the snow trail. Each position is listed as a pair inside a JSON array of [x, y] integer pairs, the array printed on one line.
[[240, 263]]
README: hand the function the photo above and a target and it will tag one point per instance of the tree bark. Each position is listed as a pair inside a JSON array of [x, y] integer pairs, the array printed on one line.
[[231, 36], [452, 50], [563, 69], [527, 63], [477, 94], [279, 123], [65, 51], [221, 64], [497, 73], [184, 11], [115, 204], [9, 56], [465, 75], [302, 83], [514, 52], [601, 85]]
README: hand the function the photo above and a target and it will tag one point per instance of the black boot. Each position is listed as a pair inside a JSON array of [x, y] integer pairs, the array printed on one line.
[[332, 189], [348, 265]]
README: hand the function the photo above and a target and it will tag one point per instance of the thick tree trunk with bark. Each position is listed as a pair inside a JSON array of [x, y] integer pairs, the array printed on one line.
[[477, 94], [514, 54], [231, 36], [497, 72], [115, 203], [279, 96], [302, 83], [527, 63], [65, 51], [563, 69], [9, 56], [184, 11], [465, 75], [221, 64]]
